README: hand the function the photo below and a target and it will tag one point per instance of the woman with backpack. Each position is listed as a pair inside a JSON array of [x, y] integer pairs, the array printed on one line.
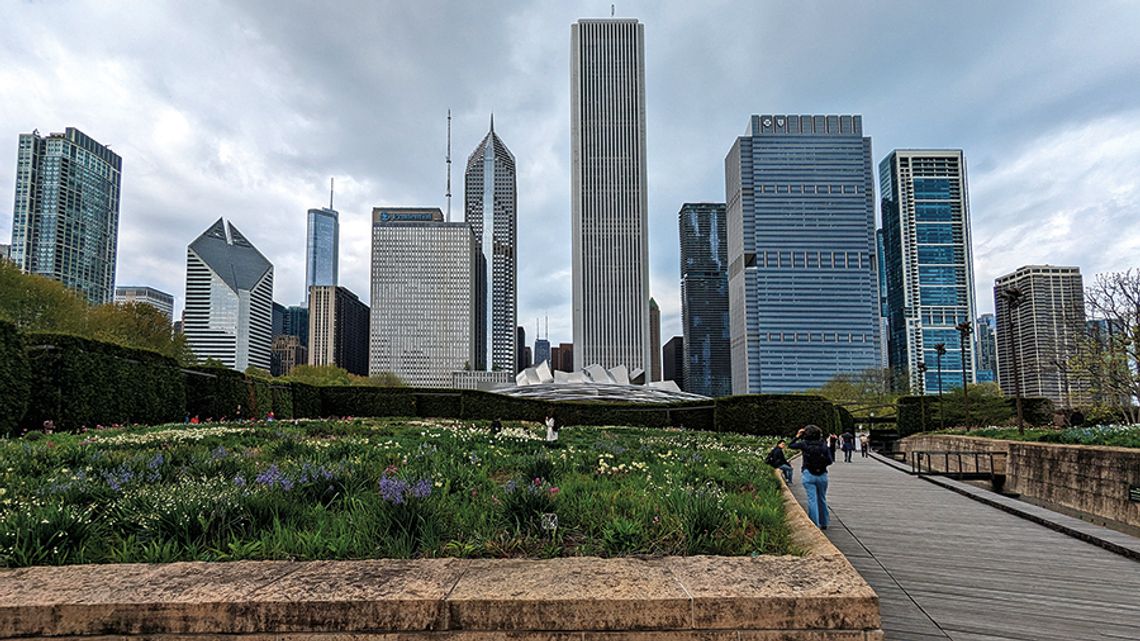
[[816, 457]]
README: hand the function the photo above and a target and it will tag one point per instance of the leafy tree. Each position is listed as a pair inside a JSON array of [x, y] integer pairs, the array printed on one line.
[[138, 325], [1107, 361], [988, 406], [320, 375], [862, 393], [37, 303], [254, 371], [387, 379]]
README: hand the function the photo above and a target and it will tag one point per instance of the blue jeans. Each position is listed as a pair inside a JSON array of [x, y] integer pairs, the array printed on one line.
[[816, 488], [787, 470]]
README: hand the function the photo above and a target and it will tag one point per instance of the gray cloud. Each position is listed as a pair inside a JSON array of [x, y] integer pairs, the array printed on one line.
[[245, 110]]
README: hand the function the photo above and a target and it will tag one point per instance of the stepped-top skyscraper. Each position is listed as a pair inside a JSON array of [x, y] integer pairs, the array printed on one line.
[[930, 265], [65, 223], [322, 247], [609, 203], [491, 208], [229, 299], [803, 285]]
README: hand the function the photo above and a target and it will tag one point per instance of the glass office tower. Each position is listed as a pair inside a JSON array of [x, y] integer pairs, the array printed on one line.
[[322, 241], [802, 278], [65, 222], [930, 265], [707, 356]]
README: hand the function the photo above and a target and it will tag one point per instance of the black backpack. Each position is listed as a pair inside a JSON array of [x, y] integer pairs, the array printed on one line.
[[816, 457], [773, 460]]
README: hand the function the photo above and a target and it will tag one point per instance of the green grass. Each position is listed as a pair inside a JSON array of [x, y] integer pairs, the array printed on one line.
[[1110, 435], [380, 488]]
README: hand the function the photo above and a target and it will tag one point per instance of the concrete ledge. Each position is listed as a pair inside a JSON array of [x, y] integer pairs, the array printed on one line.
[[816, 597]]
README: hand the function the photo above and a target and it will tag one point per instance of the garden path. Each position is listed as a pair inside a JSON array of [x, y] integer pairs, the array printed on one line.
[[951, 568]]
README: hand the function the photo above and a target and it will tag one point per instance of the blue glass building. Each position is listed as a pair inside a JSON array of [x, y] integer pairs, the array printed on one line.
[[802, 278], [930, 266], [986, 331], [322, 241], [707, 356]]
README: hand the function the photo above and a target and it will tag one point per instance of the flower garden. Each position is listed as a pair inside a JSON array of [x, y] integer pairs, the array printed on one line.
[[1109, 435], [383, 488]]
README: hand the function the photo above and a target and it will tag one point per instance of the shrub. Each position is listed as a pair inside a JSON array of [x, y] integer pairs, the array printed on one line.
[[15, 378], [774, 414], [367, 401], [78, 382], [306, 400], [282, 401], [1035, 410], [217, 392], [910, 417]]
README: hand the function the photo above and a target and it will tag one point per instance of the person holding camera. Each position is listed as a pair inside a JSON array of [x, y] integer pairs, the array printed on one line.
[[816, 456]]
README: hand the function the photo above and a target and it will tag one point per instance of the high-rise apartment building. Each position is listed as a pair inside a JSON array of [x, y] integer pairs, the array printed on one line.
[[609, 194], [288, 352], [1045, 327], [423, 296], [704, 299], [562, 357], [491, 208], [157, 299], [65, 224], [985, 329], [5, 252], [338, 329], [295, 322], [884, 308], [802, 280], [541, 351], [229, 299], [654, 341], [322, 243], [672, 364], [930, 265]]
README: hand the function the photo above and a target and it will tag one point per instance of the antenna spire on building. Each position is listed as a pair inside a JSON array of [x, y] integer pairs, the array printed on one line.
[[331, 183], [448, 165], [613, 9], [492, 122]]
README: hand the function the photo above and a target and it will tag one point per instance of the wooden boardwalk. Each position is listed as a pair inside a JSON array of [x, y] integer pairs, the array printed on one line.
[[948, 567]]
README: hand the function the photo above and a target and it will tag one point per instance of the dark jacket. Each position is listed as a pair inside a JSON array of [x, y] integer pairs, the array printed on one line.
[[776, 457], [816, 455], [848, 441]]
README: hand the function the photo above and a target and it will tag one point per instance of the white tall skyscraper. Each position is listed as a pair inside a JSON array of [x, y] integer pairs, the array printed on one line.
[[609, 201], [491, 193], [229, 299], [423, 296]]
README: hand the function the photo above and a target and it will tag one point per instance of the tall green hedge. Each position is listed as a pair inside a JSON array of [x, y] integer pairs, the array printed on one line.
[[367, 401], [774, 414], [1035, 410], [15, 378], [217, 393], [282, 401], [306, 400], [910, 418], [78, 382]]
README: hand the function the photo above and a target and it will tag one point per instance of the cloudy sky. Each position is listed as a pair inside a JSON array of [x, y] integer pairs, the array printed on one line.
[[245, 109]]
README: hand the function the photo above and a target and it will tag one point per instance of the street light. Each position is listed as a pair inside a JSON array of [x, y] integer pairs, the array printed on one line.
[[922, 394], [939, 350], [1014, 297], [965, 329]]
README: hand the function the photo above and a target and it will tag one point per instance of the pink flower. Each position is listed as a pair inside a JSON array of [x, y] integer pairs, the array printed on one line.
[[553, 491], [537, 481]]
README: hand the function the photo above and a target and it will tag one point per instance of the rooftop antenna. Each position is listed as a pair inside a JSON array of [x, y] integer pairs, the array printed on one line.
[[548, 327], [331, 183], [448, 165], [613, 8]]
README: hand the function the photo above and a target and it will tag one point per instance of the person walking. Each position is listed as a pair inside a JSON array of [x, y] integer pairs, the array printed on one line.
[[848, 439], [816, 457], [832, 444], [779, 460], [864, 443]]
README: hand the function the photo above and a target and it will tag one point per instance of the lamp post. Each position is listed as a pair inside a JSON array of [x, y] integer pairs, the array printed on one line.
[[965, 329], [922, 394], [1014, 297], [939, 350]]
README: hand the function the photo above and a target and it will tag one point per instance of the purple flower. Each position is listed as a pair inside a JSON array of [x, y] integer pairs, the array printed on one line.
[[219, 453], [422, 489], [274, 477], [392, 490], [156, 462], [239, 481]]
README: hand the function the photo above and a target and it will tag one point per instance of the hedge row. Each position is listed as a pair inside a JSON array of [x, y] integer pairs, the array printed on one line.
[[1035, 410], [76, 383]]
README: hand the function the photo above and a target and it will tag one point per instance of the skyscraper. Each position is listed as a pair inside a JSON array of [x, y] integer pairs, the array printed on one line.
[[491, 210], [423, 296], [884, 308], [930, 265], [157, 299], [541, 351], [986, 330], [802, 281], [229, 299], [521, 351], [654, 341], [1045, 327], [609, 203], [338, 329], [65, 224], [296, 323], [672, 362], [704, 299], [322, 242]]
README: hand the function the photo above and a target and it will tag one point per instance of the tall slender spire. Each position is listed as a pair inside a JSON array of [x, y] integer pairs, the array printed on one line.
[[448, 165], [492, 122], [331, 183]]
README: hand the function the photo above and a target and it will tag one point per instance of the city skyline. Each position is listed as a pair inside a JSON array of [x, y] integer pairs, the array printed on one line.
[[1060, 154]]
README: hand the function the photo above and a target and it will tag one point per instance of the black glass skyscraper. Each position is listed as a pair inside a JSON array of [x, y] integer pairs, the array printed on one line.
[[704, 299]]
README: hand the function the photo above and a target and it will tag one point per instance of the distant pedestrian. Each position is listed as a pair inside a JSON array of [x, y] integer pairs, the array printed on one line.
[[864, 443], [832, 444], [551, 431], [816, 457], [496, 426], [779, 460], [848, 439]]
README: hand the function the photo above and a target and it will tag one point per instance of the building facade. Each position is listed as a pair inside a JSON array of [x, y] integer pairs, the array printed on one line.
[[521, 349], [491, 208], [322, 248], [884, 307], [704, 299], [338, 329], [930, 265], [673, 361], [65, 224], [423, 296], [157, 299], [609, 194], [541, 351], [1044, 330], [295, 322], [654, 341], [802, 279], [229, 299], [985, 329], [288, 352]]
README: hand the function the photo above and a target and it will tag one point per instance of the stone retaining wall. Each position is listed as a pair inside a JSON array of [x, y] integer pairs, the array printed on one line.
[[816, 597], [1087, 480]]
